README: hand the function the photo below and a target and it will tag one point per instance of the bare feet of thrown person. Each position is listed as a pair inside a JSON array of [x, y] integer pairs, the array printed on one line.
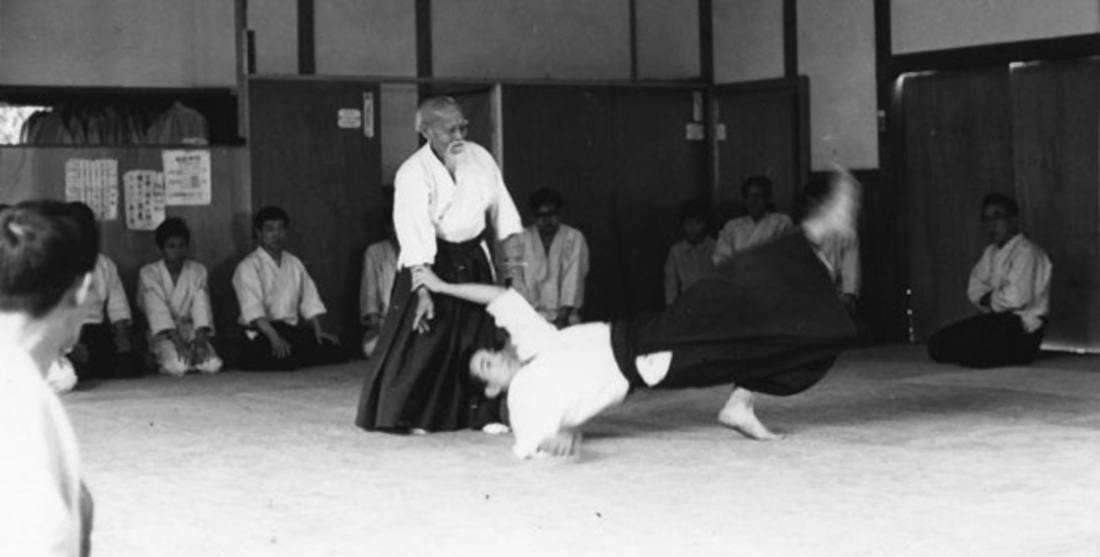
[[739, 415]]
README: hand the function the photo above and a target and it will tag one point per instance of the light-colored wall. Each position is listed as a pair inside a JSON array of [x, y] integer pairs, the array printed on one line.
[[919, 25], [112, 43], [564, 39], [668, 39], [275, 26], [836, 49], [365, 37], [748, 40]]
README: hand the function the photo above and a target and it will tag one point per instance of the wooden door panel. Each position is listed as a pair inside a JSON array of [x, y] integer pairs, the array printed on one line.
[[1056, 123], [325, 176], [958, 148], [763, 128]]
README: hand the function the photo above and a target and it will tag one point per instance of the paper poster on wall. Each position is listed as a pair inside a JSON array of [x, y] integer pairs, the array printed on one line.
[[144, 199], [93, 182], [368, 115], [187, 177]]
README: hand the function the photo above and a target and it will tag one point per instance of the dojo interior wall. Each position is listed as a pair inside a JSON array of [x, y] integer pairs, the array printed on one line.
[[162, 43]]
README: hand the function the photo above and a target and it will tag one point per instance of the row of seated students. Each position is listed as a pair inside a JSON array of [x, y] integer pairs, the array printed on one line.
[[280, 312]]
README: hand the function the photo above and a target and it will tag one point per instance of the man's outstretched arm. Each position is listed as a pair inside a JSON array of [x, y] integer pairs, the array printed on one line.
[[471, 292]]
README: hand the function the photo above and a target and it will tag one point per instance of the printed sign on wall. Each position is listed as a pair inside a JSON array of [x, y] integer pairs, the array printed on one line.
[[144, 199], [187, 177], [93, 182]]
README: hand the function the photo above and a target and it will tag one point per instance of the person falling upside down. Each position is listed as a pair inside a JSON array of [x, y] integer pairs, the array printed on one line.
[[767, 320]]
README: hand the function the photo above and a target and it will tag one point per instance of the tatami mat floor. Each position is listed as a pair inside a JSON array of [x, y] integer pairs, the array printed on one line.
[[890, 455]]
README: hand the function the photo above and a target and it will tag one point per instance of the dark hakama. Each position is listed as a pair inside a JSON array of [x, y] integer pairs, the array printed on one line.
[[422, 380], [768, 320], [305, 351]]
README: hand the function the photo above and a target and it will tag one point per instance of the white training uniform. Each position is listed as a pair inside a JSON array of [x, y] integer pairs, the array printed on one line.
[[40, 471], [568, 375], [743, 233], [430, 204], [379, 272], [107, 298], [555, 280], [279, 292], [183, 305], [1018, 274]]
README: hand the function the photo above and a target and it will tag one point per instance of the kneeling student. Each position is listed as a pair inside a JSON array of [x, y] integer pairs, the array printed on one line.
[[173, 294], [276, 294]]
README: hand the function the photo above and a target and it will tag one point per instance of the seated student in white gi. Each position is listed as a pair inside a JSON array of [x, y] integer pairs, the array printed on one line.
[[767, 320], [174, 296], [689, 259], [376, 286], [106, 348], [1010, 286], [759, 226], [47, 253], [556, 257], [276, 294], [840, 252]]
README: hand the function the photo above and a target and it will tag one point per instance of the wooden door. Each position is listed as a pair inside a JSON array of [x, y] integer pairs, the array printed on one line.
[[326, 173], [1056, 125], [958, 148], [766, 132], [621, 160]]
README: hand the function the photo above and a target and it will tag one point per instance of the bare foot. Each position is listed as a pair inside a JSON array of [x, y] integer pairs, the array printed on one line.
[[739, 415]]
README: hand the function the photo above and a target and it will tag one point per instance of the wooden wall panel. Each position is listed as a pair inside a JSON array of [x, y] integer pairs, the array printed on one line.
[[762, 138], [958, 138], [326, 177], [1056, 127], [220, 234], [620, 158]]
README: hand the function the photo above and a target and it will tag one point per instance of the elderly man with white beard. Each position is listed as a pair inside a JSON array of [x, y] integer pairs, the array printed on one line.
[[444, 194]]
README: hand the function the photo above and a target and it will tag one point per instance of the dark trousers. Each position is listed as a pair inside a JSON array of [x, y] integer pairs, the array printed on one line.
[[985, 341], [256, 354], [767, 320], [422, 380], [104, 361]]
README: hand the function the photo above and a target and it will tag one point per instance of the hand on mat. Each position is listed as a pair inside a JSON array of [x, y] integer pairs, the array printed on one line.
[[280, 348], [564, 444], [425, 311], [424, 277]]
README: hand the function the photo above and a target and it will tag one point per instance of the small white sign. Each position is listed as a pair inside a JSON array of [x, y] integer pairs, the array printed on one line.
[[368, 115], [349, 118], [695, 132]]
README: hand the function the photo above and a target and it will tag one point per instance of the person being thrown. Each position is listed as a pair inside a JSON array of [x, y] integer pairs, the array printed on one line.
[[767, 320]]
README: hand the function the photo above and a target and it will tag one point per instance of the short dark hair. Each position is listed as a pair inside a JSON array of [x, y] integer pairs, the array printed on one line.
[[173, 227], [45, 246], [756, 181], [543, 197], [694, 209], [995, 199], [268, 214]]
